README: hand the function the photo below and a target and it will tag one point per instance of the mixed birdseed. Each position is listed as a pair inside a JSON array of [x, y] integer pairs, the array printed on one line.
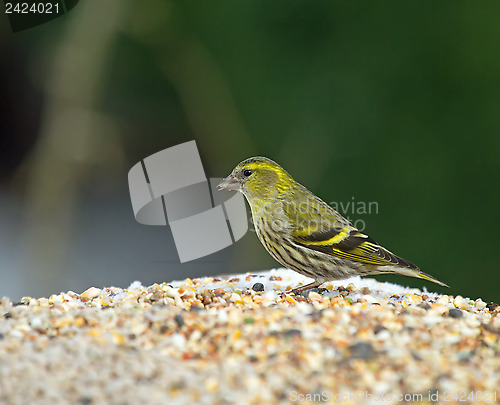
[[246, 339]]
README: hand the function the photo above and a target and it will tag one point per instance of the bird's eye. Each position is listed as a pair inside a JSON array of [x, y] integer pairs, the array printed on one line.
[[247, 172]]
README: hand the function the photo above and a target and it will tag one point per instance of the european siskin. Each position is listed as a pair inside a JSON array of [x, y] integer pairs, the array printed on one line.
[[304, 233]]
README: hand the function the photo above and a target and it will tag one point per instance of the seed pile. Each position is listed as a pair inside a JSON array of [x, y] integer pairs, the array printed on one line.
[[245, 339]]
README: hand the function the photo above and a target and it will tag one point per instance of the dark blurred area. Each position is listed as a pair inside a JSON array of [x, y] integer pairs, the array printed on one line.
[[388, 102]]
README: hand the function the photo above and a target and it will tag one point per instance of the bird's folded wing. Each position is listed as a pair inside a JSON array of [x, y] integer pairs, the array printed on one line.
[[349, 243]]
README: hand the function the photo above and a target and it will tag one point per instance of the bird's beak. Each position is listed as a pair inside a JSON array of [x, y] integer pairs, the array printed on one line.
[[229, 183]]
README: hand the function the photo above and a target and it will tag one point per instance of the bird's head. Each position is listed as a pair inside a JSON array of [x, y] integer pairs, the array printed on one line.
[[258, 178]]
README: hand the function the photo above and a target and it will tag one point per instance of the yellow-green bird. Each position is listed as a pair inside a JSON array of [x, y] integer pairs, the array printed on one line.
[[304, 233]]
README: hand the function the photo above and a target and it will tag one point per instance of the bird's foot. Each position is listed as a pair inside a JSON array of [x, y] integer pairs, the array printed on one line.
[[301, 289]]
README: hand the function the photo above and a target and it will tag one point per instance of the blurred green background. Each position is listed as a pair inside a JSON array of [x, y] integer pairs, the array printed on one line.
[[387, 102]]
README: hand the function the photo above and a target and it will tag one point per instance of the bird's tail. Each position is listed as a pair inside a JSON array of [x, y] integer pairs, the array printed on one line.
[[419, 274]]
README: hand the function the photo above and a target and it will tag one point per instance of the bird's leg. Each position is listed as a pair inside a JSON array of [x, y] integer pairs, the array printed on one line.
[[300, 290]]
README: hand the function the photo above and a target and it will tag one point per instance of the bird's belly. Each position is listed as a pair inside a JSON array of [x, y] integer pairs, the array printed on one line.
[[307, 262]]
